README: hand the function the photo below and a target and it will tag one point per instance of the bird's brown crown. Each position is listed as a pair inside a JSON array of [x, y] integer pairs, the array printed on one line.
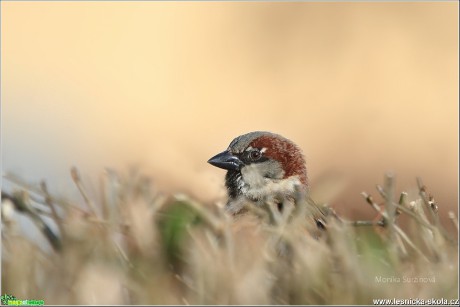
[[285, 152]]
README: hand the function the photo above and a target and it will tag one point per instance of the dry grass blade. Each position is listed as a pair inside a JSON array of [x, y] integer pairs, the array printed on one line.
[[49, 202], [77, 180]]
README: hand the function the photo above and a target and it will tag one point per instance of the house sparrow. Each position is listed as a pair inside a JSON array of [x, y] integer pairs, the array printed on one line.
[[262, 166]]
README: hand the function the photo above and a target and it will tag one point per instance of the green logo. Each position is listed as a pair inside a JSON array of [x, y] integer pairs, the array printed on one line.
[[11, 300], [6, 297]]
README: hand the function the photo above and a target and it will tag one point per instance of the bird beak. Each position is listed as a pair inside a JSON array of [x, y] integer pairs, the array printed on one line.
[[226, 160]]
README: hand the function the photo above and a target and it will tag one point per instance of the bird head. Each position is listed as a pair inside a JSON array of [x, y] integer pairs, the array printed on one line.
[[261, 163]]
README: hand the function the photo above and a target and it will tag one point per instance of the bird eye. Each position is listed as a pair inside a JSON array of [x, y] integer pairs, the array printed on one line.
[[255, 155]]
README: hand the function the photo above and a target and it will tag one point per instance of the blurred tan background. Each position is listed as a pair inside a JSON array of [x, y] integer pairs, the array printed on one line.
[[363, 88]]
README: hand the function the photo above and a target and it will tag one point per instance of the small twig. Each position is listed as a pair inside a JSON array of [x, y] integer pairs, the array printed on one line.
[[124, 257], [416, 217], [398, 230], [374, 205], [33, 189], [77, 180], [49, 202], [401, 245], [335, 215], [411, 244], [381, 191], [400, 207], [367, 223], [389, 204], [431, 208], [402, 199], [401, 203]]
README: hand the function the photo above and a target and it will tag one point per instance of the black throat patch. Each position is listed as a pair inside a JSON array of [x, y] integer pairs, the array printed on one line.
[[233, 181]]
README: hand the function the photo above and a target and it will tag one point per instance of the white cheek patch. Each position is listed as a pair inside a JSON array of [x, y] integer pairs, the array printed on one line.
[[263, 150], [252, 176], [256, 187]]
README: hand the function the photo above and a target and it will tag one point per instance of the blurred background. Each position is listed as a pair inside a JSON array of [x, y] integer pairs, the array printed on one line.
[[363, 88]]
